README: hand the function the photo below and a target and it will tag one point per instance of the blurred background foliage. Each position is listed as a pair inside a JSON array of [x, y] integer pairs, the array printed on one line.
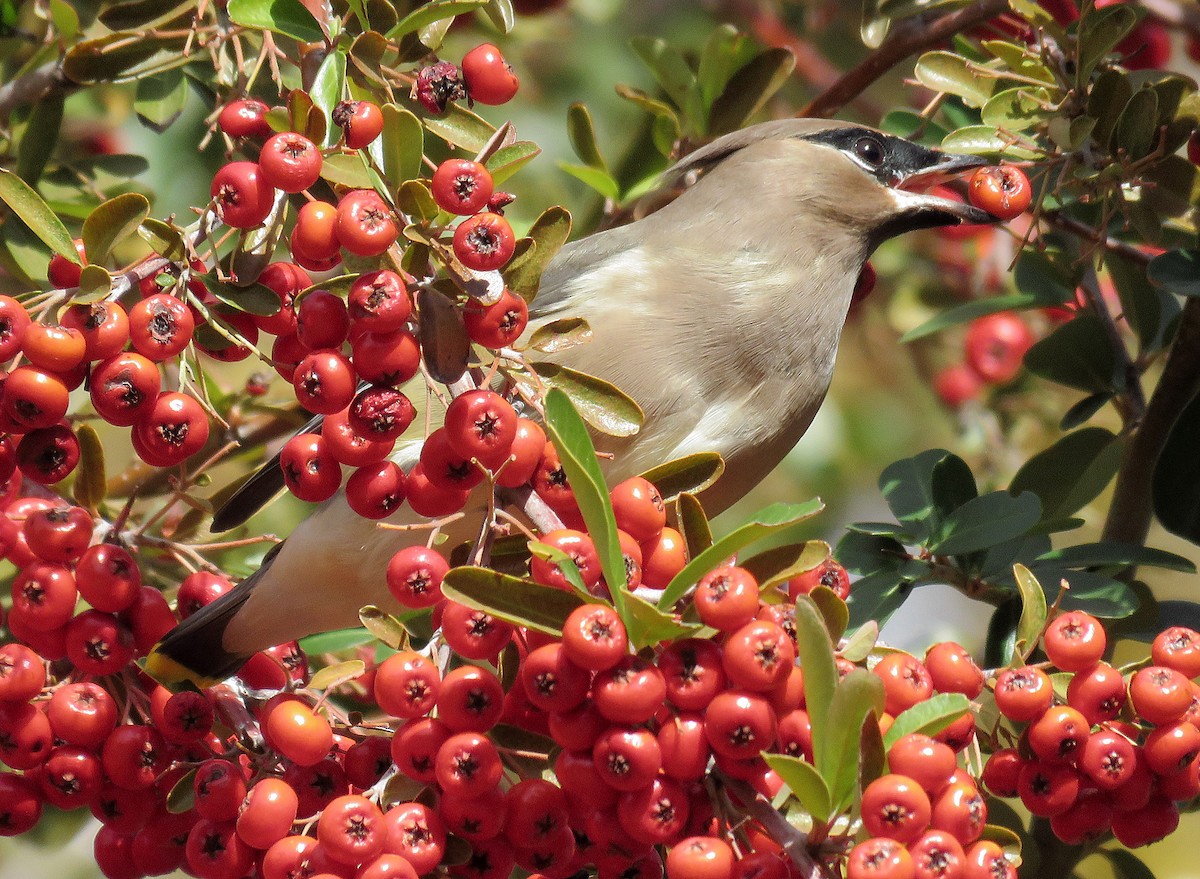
[[881, 407]]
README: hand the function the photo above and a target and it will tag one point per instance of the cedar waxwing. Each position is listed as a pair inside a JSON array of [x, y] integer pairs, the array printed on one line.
[[718, 313]]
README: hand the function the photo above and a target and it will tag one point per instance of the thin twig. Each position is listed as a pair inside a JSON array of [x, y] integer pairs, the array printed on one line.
[[907, 37]]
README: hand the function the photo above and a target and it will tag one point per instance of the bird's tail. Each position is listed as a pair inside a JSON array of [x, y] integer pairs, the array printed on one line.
[[194, 652]]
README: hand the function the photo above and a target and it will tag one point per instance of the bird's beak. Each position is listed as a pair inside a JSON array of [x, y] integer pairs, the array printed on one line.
[[920, 209]]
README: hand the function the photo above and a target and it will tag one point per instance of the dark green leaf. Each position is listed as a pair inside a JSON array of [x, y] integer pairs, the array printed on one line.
[[908, 487], [1177, 271], [1112, 554], [1108, 97], [1078, 354], [693, 525], [164, 239], [1081, 412], [1033, 615], [691, 473], [1098, 594], [857, 697], [929, 717], [912, 126], [749, 90], [567, 431], [1137, 126], [113, 57], [327, 89], [1071, 473], [90, 480], [767, 521], [1149, 309], [815, 654], [986, 521], [805, 782], [601, 181], [778, 565], [141, 14], [582, 134], [516, 601], [1126, 865], [549, 233], [1176, 484], [952, 484], [94, 284], [508, 160], [461, 128], [1099, 33], [445, 345], [159, 99], [969, 311], [725, 51], [403, 144], [36, 214], [111, 223], [435, 10], [287, 17], [182, 797], [670, 69], [601, 404], [39, 138], [253, 299]]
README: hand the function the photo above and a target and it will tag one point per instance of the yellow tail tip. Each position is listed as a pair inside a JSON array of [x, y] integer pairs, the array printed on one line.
[[174, 675]]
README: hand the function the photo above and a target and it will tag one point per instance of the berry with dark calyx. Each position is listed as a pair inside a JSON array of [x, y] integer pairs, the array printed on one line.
[[387, 359], [58, 534], [879, 858], [104, 326], [244, 117], [124, 388], [1003, 191], [309, 468], [497, 325], [290, 161], [380, 413], [461, 186], [361, 122], [828, 574], [375, 491], [379, 301], [995, 346], [481, 424], [1074, 641], [484, 242], [34, 398], [1022, 694], [324, 382], [489, 78], [14, 323], [160, 326], [242, 194], [414, 576], [48, 455], [175, 429], [594, 637], [364, 223], [895, 806], [438, 85]]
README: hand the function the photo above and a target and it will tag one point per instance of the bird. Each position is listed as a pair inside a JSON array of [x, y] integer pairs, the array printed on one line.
[[719, 313]]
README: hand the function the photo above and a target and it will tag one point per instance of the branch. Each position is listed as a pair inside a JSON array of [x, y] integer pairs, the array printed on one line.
[[793, 841], [907, 37], [1131, 509], [33, 86]]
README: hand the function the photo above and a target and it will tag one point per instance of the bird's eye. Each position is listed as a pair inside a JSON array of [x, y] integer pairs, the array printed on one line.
[[869, 150]]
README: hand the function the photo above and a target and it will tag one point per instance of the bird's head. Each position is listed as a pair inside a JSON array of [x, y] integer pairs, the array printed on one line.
[[845, 175]]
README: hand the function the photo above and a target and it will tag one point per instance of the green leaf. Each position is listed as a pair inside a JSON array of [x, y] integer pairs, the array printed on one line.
[[805, 782], [415, 199], [1077, 354], [1137, 127], [564, 563], [815, 654], [860, 644], [1033, 615], [39, 138], [1177, 271], [778, 565], [567, 431], [347, 169], [749, 89], [435, 10], [670, 69], [335, 641], [1016, 109], [403, 144], [691, 473], [856, 698], [508, 160], [908, 487], [1099, 32], [1113, 554], [1070, 474], [461, 128], [111, 222], [66, 19], [139, 14], [443, 336], [767, 521], [287, 17], [601, 404], [1176, 482], [327, 89], [725, 52], [252, 299], [951, 73], [561, 335], [116, 57], [164, 239], [516, 601], [987, 521], [648, 626], [1148, 308], [1125, 864], [500, 13], [601, 181], [94, 284], [929, 717], [1021, 60], [693, 524], [159, 99], [549, 233], [833, 611], [337, 674], [969, 311], [182, 797], [36, 214], [90, 480], [582, 134], [984, 140]]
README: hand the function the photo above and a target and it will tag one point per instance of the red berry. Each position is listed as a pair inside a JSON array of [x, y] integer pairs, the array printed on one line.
[[242, 194], [361, 122], [1002, 191], [488, 77], [461, 186], [290, 161], [310, 470], [996, 346], [484, 242], [175, 428], [244, 117], [364, 223]]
